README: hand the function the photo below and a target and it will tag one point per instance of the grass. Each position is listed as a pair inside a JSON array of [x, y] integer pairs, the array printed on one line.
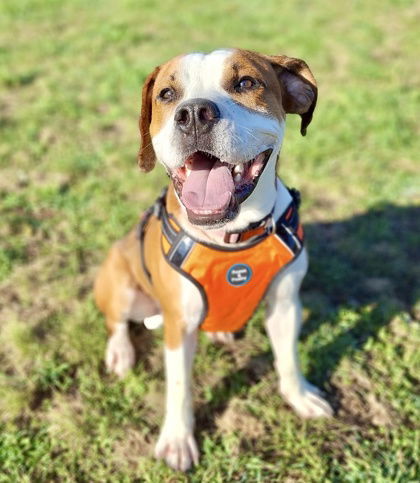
[[70, 77]]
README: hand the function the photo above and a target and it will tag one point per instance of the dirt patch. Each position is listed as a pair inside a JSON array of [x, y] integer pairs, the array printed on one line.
[[154, 402], [133, 446], [358, 404], [237, 419]]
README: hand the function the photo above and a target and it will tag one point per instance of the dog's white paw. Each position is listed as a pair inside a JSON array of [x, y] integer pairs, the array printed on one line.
[[120, 355], [177, 448], [306, 400], [221, 337]]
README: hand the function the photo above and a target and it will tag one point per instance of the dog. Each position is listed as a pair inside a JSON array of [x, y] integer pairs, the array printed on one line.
[[225, 234]]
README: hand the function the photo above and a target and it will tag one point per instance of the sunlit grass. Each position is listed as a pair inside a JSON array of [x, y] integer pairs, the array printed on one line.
[[70, 80]]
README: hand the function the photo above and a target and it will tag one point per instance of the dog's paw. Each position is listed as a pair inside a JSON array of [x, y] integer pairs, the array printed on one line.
[[178, 450], [307, 401], [120, 355], [226, 338]]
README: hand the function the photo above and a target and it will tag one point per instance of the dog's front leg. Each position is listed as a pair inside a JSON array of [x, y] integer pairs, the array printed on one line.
[[283, 325], [176, 443]]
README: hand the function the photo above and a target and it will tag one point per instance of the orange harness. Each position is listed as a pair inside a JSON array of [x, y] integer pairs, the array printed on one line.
[[232, 280]]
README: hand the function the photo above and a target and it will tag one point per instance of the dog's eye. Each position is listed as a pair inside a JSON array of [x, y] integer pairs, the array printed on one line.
[[246, 83], [167, 94]]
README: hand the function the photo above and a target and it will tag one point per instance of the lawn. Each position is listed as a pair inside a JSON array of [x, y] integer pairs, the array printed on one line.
[[70, 79]]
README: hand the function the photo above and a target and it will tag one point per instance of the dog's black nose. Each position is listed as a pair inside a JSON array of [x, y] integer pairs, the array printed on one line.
[[196, 116]]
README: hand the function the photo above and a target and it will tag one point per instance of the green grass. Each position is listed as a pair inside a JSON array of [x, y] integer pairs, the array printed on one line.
[[70, 77]]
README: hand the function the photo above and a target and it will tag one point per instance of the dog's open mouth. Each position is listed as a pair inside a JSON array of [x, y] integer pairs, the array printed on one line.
[[211, 190]]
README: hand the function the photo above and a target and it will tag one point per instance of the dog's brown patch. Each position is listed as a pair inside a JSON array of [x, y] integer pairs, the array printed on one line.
[[265, 98]]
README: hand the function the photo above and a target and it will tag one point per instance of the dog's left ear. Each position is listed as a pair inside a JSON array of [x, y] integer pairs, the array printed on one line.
[[298, 85], [147, 156]]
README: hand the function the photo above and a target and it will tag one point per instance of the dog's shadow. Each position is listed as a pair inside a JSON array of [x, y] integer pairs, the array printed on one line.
[[369, 259]]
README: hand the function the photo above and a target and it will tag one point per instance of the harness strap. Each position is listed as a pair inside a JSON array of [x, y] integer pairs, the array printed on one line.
[[155, 210], [141, 230]]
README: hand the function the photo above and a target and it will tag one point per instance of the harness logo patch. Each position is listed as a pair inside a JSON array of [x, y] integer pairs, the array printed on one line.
[[239, 274]]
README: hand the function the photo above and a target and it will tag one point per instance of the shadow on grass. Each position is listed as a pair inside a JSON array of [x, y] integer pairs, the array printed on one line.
[[368, 260]]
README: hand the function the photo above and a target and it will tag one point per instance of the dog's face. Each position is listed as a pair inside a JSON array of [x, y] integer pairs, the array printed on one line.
[[216, 122]]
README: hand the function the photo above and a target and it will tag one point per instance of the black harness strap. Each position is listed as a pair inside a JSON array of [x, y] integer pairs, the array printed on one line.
[[154, 210], [287, 225], [141, 230], [181, 243], [288, 233]]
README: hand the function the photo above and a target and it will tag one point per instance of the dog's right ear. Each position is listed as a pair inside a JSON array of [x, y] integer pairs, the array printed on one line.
[[147, 156]]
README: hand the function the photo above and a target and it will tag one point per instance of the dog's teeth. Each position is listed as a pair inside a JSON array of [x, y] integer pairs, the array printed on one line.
[[238, 172], [187, 171]]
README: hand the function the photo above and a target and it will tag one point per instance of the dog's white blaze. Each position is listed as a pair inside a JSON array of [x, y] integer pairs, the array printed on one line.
[[201, 74]]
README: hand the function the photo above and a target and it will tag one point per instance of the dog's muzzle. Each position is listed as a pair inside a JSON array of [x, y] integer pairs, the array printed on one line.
[[210, 189]]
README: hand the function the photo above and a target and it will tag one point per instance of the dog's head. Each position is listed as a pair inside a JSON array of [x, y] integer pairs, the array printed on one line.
[[216, 122]]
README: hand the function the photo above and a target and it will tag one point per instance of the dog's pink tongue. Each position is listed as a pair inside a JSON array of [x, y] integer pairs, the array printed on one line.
[[209, 186]]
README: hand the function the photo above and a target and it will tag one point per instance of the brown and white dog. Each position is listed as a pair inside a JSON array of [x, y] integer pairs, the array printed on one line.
[[228, 106]]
